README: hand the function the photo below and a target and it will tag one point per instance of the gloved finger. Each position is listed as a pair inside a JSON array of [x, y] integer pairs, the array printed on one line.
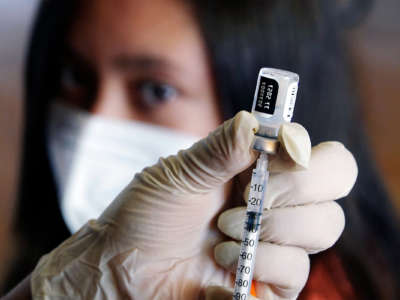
[[313, 227], [283, 268], [294, 151], [331, 175], [209, 163], [214, 292]]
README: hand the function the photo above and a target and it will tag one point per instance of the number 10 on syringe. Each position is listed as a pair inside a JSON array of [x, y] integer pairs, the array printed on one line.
[[251, 230]]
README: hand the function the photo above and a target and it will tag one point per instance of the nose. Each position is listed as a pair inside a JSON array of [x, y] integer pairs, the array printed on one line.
[[112, 100]]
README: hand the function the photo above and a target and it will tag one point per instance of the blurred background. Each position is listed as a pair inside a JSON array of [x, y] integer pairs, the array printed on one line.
[[375, 52], [375, 48]]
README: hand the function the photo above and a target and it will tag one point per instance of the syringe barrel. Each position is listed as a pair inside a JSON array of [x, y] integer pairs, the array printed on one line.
[[251, 229]]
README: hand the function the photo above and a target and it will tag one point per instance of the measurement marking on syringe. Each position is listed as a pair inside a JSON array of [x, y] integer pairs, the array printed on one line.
[[251, 230]]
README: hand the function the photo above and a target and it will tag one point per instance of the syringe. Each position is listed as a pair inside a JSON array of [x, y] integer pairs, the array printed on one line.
[[273, 104], [251, 230]]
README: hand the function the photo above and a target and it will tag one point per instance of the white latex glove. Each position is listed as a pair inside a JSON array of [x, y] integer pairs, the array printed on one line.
[[156, 240]]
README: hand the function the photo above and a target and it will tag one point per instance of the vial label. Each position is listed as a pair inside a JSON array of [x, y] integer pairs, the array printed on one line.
[[290, 102], [267, 95]]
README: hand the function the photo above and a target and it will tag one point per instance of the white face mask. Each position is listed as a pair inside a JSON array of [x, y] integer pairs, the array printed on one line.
[[93, 158]]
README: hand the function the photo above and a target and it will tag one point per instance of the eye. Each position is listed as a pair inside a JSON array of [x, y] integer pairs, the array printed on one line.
[[152, 93]]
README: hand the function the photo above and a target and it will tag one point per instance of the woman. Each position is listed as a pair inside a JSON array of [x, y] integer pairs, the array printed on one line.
[[238, 40]]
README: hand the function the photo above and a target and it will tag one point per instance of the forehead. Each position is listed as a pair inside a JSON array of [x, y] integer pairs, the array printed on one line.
[[163, 28]]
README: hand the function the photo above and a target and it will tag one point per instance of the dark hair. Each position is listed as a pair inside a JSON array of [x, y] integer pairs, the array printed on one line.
[[241, 37]]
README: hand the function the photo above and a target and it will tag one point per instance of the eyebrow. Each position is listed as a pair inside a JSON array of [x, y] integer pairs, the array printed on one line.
[[140, 62], [127, 62]]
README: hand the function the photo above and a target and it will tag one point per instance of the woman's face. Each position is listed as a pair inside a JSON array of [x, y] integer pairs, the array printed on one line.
[[140, 60]]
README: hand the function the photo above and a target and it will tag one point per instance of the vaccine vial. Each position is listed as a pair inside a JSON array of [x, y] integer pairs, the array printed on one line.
[[273, 105]]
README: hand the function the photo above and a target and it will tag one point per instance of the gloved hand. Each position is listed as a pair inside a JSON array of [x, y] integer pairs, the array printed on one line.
[[156, 240], [303, 219]]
